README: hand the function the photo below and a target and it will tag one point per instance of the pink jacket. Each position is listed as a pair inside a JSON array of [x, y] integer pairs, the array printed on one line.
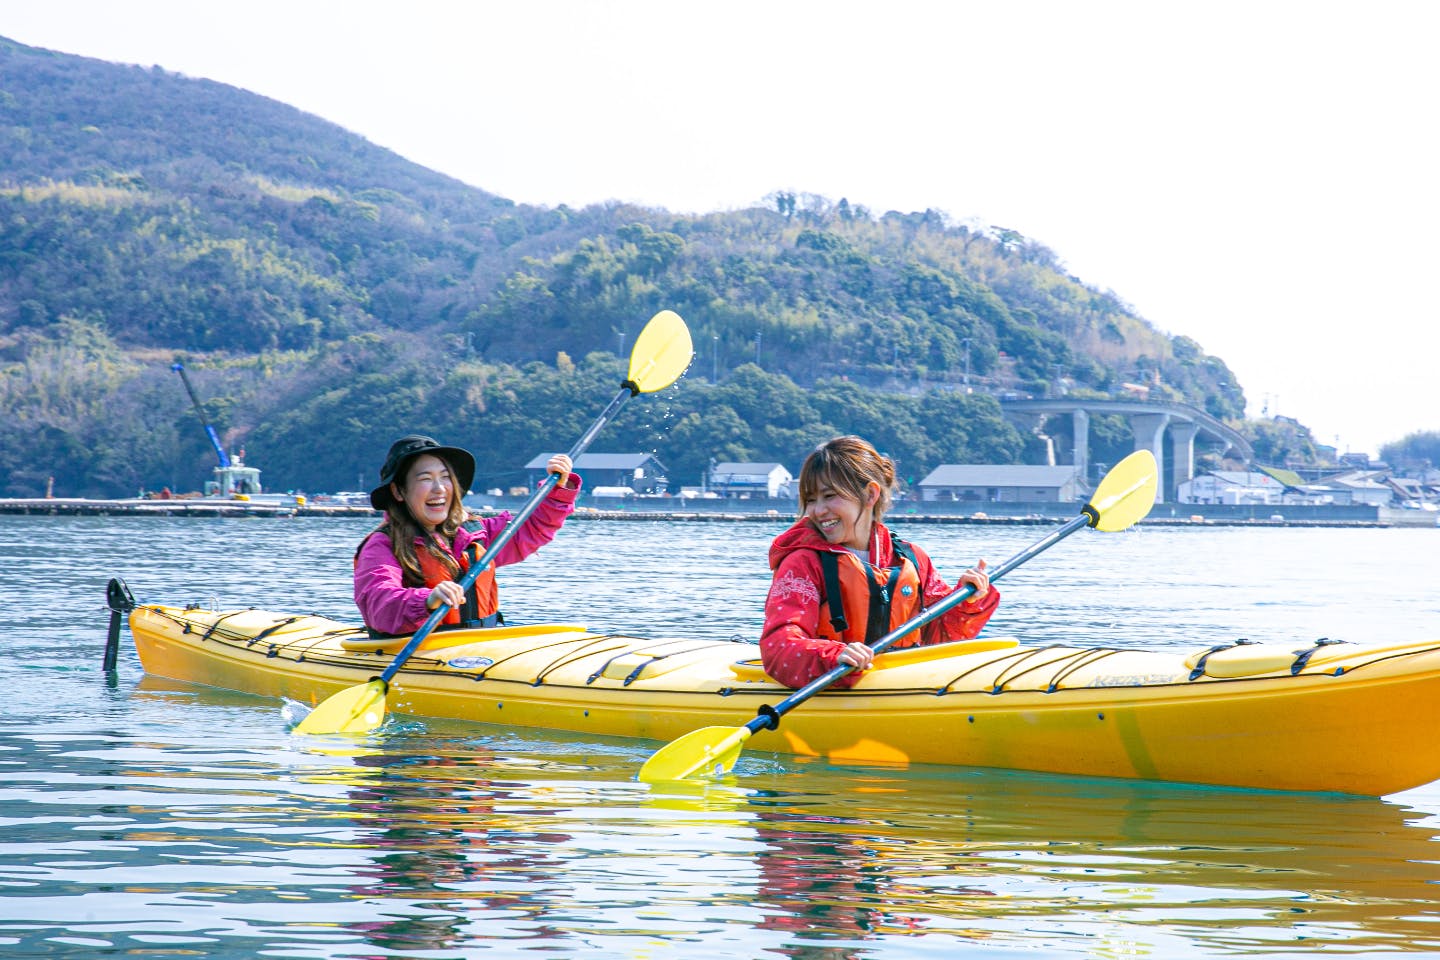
[[789, 646], [391, 607]]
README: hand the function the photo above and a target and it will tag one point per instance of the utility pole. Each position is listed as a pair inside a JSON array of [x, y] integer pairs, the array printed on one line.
[[757, 348], [715, 359], [966, 341]]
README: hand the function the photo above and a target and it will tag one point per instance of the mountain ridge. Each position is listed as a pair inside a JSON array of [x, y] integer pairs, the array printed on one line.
[[149, 215]]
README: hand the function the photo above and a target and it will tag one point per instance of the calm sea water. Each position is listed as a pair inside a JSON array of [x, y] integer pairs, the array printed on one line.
[[147, 818]]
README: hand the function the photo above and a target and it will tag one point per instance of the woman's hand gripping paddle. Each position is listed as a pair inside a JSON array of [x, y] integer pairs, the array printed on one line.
[[1124, 496], [661, 353]]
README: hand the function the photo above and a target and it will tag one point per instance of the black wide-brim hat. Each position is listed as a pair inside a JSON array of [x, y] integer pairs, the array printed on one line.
[[404, 450]]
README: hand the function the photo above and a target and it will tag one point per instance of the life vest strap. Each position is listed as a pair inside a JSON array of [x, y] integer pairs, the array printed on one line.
[[880, 600], [903, 549], [881, 596], [830, 571], [470, 610]]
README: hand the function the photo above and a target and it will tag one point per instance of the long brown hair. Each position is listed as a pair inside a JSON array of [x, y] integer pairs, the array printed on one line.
[[848, 464], [403, 530]]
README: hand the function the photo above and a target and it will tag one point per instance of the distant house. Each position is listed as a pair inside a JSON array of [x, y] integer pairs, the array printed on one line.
[[1289, 479], [1356, 486], [1232, 486], [1008, 483], [641, 472], [1298, 490], [770, 480], [1411, 491]]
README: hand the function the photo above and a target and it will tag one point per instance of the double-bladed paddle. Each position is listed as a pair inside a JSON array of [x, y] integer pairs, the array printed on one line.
[[662, 352], [1124, 496]]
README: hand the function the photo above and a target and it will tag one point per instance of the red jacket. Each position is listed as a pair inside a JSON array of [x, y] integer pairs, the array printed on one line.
[[791, 643]]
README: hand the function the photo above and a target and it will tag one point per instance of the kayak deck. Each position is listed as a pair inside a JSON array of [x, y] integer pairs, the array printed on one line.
[[1330, 716]]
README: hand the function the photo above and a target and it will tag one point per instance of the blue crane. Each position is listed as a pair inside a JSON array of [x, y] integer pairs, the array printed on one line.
[[179, 368]]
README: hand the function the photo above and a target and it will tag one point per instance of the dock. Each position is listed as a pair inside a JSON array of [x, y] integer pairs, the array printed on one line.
[[665, 509], [177, 507]]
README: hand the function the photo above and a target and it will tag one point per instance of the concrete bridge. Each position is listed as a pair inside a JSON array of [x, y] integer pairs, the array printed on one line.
[[1149, 421]]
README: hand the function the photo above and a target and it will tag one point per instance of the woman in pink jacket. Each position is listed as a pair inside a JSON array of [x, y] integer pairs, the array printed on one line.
[[842, 580], [410, 564]]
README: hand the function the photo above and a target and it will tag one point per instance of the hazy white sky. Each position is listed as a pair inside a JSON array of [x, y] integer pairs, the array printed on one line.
[[1259, 176]]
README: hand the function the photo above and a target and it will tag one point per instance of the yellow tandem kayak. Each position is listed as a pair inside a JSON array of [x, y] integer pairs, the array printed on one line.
[[1338, 717]]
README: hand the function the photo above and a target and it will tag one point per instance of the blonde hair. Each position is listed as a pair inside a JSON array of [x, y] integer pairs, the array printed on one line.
[[848, 465]]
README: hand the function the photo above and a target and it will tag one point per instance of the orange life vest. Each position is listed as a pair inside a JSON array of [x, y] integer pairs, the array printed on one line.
[[481, 600], [873, 601]]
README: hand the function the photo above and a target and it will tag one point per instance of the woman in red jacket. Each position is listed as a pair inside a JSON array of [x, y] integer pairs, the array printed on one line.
[[842, 580]]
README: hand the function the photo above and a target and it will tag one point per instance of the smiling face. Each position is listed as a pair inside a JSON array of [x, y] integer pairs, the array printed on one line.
[[841, 518], [845, 486], [428, 490]]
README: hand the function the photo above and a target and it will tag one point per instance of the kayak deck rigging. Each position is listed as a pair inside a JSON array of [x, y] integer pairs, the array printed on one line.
[[1344, 717]]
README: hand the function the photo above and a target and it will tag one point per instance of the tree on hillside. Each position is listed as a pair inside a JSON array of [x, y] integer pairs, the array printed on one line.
[[332, 293], [1414, 453], [1280, 442]]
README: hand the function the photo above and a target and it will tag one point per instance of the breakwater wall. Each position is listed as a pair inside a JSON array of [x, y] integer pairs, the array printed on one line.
[[752, 510]]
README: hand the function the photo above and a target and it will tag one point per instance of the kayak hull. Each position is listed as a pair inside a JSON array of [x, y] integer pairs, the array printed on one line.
[[1339, 718]]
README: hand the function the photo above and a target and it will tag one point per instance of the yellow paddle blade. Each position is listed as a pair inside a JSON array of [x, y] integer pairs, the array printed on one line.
[[357, 709], [1126, 493], [662, 352], [708, 751]]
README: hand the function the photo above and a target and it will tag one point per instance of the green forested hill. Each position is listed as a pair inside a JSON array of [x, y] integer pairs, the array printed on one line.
[[327, 295]]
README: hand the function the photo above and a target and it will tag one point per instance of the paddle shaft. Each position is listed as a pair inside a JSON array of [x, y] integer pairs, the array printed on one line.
[[627, 390], [769, 717]]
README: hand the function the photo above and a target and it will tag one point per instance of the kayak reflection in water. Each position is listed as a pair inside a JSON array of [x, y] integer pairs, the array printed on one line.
[[842, 580], [410, 564]]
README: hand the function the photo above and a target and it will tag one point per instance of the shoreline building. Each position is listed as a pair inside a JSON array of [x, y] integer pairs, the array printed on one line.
[[746, 480], [641, 472], [1001, 483]]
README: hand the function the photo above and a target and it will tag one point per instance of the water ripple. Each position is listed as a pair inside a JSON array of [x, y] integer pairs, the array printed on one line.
[[153, 818]]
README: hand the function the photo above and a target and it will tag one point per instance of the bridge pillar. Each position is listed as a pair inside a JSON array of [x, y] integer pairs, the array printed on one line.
[[1081, 454], [1149, 430], [1182, 450]]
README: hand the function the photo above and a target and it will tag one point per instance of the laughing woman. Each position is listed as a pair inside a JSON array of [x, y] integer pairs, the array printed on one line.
[[410, 564], [842, 580]]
